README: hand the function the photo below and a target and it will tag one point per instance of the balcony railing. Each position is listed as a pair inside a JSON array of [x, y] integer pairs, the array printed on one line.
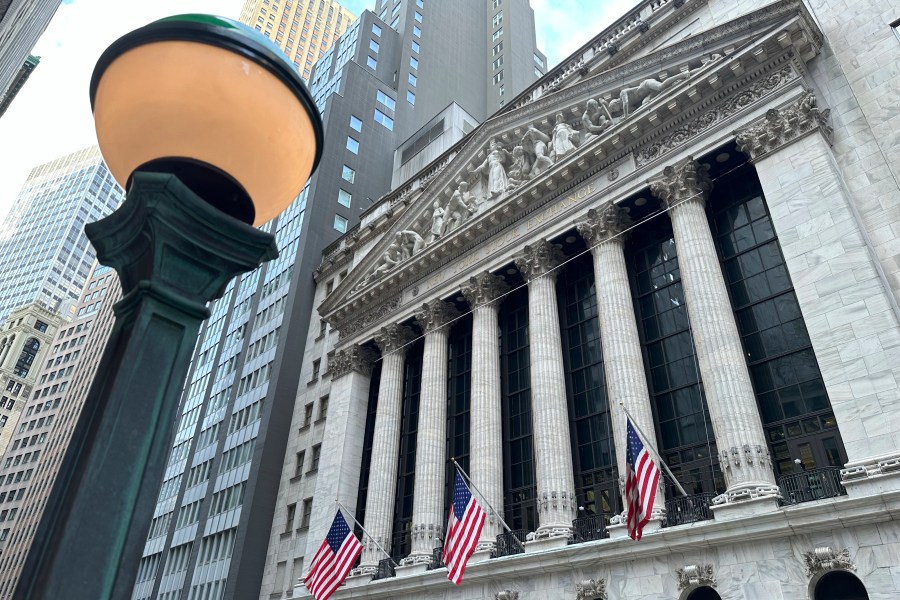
[[814, 484], [589, 528], [509, 543], [689, 509], [436, 559], [385, 569]]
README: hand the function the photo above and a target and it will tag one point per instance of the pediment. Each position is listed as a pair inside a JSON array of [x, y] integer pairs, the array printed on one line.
[[518, 159]]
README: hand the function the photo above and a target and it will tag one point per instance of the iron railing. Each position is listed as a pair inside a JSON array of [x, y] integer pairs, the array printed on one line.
[[509, 543], [689, 509], [814, 484], [589, 528], [437, 561], [385, 569]]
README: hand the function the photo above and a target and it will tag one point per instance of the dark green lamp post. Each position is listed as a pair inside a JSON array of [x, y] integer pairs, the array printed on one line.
[[211, 131]]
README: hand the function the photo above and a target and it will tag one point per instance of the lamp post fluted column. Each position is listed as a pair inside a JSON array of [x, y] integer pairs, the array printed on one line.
[[743, 453], [431, 435], [556, 501], [485, 417]]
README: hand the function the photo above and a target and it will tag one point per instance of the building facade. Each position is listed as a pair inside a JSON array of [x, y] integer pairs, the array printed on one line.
[[44, 253], [304, 29], [217, 500], [24, 343], [693, 218], [21, 24], [39, 440], [21, 76]]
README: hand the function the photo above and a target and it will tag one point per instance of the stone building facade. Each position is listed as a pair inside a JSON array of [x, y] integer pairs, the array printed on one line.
[[694, 218]]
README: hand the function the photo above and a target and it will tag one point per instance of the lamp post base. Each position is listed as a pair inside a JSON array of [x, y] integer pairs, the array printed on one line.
[[174, 253]]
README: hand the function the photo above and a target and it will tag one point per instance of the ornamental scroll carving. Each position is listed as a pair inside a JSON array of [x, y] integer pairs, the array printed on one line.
[[393, 338], [506, 595], [435, 315], [683, 181], [591, 589], [694, 575], [372, 316], [603, 223], [826, 559], [538, 259], [783, 126], [354, 358], [483, 289]]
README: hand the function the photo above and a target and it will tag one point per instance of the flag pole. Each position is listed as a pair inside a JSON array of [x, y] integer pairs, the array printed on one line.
[[647, 444], [369, 535], [495, 513]]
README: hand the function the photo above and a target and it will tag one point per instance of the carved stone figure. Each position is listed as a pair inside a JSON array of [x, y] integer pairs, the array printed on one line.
[[595, 120], [461, 206], [410, 243], [520, 168], [562, 137], [591, 589], [692, 575], [634, 97], [437, 222], [507, 595], [782, 126], [827, 559], [535, 143], [493, 167], [390, 259]]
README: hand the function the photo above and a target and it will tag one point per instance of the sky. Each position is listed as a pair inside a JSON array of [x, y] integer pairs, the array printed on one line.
[[51, 116]]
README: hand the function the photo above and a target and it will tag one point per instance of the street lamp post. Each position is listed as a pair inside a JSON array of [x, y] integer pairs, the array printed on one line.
[[211, 131]]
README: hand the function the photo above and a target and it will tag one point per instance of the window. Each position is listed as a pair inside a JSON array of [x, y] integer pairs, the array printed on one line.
[[348, 174], [352, 145], [537, 73], [497, 34], [40, 325], [355, 123], [411, 98], [344, 198], [415, 46], [420, 3], [385, 120], [498, 48], [307, 513], [495, 4], [413, 62], [323, 407], [307, 414], [498, 77], [895, 26], [386, 100], [498, 18], [412, 79], [371, 62], [340, 223], [289, 517], [298, 466], [317, 364], [498, 62], [418, 17], [538, 61], [376, 30], [314, 462], [373, 46]]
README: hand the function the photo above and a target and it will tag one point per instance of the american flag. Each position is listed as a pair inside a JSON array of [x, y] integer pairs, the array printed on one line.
[[641, 479], [332, 562], [463, 530]]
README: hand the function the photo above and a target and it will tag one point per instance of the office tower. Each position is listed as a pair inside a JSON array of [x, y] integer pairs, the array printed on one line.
[[44, 255], [24, 343], [214, 513], [21, 76], [21, 24], [62, 379], [678, 221], [304, 29]]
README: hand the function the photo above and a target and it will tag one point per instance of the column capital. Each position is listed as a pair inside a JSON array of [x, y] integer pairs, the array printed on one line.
[[435, 315], [352, 358], [539, 259], [683, 181], [484, 288], [394, 337], [782, 126], [603, 223]]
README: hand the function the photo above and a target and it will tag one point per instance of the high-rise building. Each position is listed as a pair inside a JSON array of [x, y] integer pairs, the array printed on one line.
[[214, 513], [45, 256], [24, 343], [21, 24], [62, 379], [21, 76], [304, 29], [693, 218]]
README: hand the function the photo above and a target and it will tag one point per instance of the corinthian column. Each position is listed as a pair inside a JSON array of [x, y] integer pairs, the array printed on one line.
[[385, 444], [549, 409], [744, 457], [485, 422], [429, 512], [623, 362]]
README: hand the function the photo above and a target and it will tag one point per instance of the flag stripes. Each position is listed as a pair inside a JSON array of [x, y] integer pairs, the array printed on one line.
[[333, 560], [463, 530], [641, 481]]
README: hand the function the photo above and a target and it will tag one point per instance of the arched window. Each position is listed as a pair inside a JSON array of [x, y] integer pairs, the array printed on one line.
[[29, 352], [704, 593], [840, 585]]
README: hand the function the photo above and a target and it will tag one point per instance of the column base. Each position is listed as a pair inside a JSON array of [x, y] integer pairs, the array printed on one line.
[[746, 501], [483, 555], [546, 543], [412, 568], [620, 530], [357, 579], [363, 570], [872, 476]]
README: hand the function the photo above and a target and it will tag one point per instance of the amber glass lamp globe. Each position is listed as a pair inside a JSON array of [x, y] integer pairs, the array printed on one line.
[[213, 102]]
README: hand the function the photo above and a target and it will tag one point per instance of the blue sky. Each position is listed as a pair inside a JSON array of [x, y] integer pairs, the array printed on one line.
[[51, 115]]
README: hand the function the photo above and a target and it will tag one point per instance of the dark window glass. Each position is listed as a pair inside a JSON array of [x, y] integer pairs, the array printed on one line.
[[29, 352], [683, 429], [458, 401], [403, 507], [368, 437], [593, 453], [518, 454]]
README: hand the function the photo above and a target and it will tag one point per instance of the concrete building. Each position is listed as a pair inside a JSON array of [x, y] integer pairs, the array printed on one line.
[[214, 512], [694, 217], [22, 75], [21, 24], [61, 382], [24, 343], [304, 29], [44, 255]]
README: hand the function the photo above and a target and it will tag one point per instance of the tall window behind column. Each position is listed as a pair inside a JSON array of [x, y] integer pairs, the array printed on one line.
[[519, 491], [596, 475], [683, 428], [794, 405], [459, 392], [406, 466], [368, 437]]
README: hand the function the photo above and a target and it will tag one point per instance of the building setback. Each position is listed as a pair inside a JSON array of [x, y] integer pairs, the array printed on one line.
[[44, 254], [49, 416], [21, 24], [693, 217], [215, 507]]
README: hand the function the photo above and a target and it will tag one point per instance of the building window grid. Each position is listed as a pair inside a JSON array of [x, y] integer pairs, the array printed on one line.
[[368, 437], [403, 505], [459, 391]]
